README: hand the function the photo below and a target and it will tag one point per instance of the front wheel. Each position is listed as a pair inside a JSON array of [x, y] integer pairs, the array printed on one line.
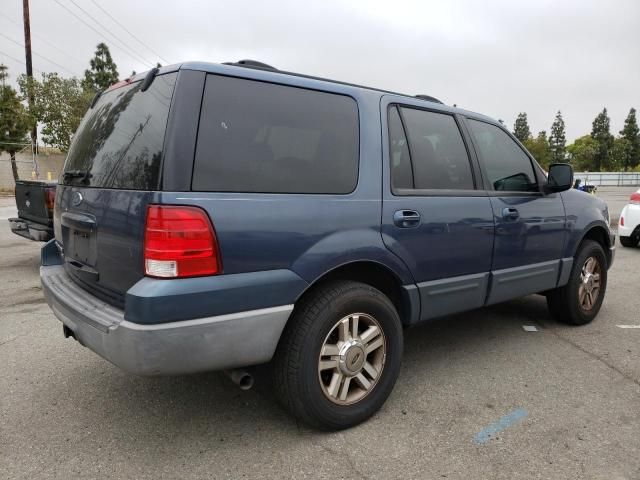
[[579, 301], [339, 356]]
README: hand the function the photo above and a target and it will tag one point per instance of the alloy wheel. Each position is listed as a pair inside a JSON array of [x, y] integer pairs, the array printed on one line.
[[352, 358], [589, 289]]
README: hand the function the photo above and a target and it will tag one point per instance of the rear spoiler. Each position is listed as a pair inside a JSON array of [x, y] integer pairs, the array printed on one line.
[[148, 79], [95, 99], [146, 83]]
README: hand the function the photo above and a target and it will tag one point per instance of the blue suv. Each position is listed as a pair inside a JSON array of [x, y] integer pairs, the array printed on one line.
[[217, 217]]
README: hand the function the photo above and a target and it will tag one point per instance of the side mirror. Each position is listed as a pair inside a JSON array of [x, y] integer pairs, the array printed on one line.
[[560, 178]]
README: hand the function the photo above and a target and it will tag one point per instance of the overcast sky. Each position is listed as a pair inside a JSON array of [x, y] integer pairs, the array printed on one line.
[[494, 57]]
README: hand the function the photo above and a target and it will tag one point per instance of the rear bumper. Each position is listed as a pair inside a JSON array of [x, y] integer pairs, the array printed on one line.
[[627, 231], [31, 230], [203, 344], [631, 227]]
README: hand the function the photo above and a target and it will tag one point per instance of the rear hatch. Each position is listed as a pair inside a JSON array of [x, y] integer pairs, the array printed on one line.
[[32, 200], [110, 174]]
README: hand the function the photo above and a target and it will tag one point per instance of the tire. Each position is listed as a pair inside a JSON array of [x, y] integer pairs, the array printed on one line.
[[565, 303], [313, 395], [629, 242]]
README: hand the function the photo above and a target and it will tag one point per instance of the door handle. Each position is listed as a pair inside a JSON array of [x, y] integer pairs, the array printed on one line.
[[406, 218], [509, 213]]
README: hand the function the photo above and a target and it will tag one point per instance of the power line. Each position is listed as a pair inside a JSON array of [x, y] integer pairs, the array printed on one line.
[[44, 40], [140, 57], [127, 30], [93, 28], [21, 62], [37, 54], [113, 37]]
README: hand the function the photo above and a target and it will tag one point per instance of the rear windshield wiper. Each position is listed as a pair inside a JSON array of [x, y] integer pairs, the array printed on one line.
[[70, 174]]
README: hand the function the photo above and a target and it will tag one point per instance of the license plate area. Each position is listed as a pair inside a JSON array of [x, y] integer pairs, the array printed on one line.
[[79, 234], [83, 247]]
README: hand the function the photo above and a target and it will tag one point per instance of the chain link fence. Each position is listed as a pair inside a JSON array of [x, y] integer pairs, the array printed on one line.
[[609, 179]]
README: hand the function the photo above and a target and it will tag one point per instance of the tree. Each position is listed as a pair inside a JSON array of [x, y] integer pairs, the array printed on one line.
[[557, 140], [521, 127], [539, 148], [619, 154], [583, 152], [103, 72], [600, 132], [14, 123], [631, 134], [59, 105]]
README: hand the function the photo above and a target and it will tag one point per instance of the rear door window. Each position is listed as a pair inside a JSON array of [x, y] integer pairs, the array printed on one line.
[[262, 137], [399, 156], [120, 140], [508, 167], [439, 158]]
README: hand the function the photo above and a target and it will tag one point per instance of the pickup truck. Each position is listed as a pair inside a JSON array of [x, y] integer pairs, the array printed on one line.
[[35, 201]]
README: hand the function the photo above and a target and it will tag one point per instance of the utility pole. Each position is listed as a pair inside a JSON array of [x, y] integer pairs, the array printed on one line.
[[29, 65]]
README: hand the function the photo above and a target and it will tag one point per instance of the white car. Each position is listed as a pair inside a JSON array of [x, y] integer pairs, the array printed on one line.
[[629, 225]]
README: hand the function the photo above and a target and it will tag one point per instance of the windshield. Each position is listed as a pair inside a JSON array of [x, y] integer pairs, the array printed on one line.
[[119, 142]]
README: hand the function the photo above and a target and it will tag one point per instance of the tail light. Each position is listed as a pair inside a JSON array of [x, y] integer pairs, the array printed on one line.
[[50, 198], [635, 198], [622, 221], [179, 241]]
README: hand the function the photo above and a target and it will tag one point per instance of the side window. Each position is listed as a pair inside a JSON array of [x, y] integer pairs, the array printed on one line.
[[262, 137], [399, 157], [507, 166], [438, 154]]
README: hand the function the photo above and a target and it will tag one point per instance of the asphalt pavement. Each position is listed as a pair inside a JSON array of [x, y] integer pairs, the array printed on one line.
[[479, 397]]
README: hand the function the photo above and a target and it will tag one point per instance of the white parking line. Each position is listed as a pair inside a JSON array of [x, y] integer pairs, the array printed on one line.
[[529, 328], [628, 326]]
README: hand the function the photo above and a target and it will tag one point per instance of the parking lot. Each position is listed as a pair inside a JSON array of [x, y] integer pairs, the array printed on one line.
[[478, 397]]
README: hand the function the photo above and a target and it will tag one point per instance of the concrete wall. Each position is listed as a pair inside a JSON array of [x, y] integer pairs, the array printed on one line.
[[49, 167]]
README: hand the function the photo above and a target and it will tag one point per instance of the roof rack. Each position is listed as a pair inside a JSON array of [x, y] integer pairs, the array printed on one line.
[[252, 64], [263, 66], [428, 98]]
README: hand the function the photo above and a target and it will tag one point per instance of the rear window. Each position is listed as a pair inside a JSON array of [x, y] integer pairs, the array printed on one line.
[[119, 142], [261, 137]]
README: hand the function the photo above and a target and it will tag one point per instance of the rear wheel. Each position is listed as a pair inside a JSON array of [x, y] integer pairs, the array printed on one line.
[[339, 356], [579, 301], [629, 242]]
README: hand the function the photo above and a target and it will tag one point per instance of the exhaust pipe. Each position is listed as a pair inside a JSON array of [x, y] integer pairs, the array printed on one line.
[[241, 378], [67, 332]]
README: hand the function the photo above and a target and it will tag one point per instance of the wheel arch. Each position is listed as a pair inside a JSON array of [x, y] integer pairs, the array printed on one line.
[[598, 233], [404, 297]]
